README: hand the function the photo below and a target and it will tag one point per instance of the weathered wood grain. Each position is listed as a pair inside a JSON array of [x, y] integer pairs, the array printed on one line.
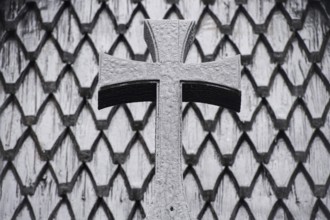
[[11, 126], [10, 195], [67, 32], [49, 126], [314, 30], [49, 62], [281, 164], [48, 9], [295, 8], [280, 98], [135, 34], [31, 94], [259, 10], [262, 65], [243, 27], [227, 6], [296, 64], [208, 29], [45, 197], [65, 162], [13, 60], [278, 32], [30, 31], [316, 96]]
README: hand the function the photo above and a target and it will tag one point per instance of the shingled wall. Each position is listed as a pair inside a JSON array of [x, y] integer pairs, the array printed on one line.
[[61, 158]]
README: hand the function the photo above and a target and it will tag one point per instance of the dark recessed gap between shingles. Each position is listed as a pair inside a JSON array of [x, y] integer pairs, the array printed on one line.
[[25, 203], [174, 9]]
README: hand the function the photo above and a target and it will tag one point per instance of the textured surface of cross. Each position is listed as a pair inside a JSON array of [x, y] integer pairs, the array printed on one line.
[[169, 81]]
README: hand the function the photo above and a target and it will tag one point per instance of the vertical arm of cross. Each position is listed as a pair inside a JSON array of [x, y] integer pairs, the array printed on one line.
[[168, 42]]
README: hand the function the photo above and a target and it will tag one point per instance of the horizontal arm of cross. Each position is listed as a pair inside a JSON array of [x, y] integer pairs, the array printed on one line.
[[225, 72], [123, 81], [115, 70], [215, 82]]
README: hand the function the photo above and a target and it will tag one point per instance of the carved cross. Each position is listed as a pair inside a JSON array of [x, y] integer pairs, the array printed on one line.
[[169, 81]]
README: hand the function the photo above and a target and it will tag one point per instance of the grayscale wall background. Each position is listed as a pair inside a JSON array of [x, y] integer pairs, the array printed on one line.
[[61, 158]]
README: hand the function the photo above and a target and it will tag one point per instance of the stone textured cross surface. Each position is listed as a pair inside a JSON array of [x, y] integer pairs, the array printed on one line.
[[169, 81]]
